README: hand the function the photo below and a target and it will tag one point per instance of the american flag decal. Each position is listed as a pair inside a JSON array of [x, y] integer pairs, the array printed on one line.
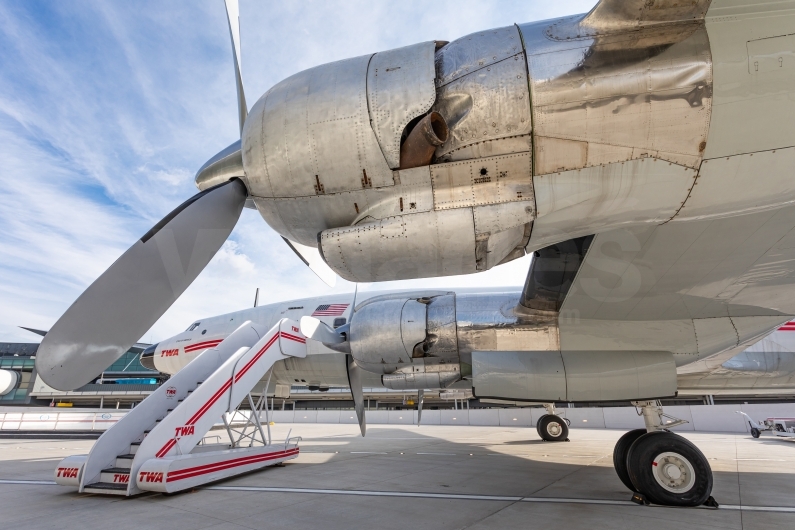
[[330, 310]]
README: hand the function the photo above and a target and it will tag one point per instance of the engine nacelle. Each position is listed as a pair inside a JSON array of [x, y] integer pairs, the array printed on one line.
[[410, 339], [421, 154], [323, 151]]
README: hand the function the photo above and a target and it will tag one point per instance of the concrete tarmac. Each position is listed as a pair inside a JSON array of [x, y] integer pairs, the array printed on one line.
[[435, 477]]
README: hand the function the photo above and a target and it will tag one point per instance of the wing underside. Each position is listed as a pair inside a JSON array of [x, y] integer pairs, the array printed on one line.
[[703, 290]]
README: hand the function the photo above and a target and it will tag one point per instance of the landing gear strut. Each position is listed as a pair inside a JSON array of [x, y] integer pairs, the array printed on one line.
[[551, 427], [660, 466]]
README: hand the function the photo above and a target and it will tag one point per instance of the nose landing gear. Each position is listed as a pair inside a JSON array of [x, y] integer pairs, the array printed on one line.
[[662, 467], [551, 427]]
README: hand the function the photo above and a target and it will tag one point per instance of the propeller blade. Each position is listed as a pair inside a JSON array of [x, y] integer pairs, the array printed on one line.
[[420, 401], [355, 382], [233, 17], [36, 331], [129, 297], [312, 258], [318, 330]]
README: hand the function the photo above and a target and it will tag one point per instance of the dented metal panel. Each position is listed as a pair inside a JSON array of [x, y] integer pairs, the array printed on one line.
[[490, 322], [441, 324], [311, 135], [302, 218], [412, 193], [483, 90], [619, 15], [400, 87], [475, 51], [487, 148], [493, 180], [618, 97], [426, 244]]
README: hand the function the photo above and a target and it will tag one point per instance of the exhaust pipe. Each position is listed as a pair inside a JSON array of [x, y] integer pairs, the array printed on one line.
[[424, 138]]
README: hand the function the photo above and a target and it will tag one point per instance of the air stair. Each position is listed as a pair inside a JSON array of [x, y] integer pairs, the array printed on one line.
[[159, 445]]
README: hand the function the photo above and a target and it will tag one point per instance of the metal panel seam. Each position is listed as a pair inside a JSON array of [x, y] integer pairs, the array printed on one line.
[[370, 110], [532, 124]]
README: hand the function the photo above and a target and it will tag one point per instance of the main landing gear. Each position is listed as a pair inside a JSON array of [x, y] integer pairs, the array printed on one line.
[[551, 427], [660, 466]]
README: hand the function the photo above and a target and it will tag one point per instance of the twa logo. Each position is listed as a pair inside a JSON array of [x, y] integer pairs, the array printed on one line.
[[67, 472], [150, 476], [171, 392], [187, 430], [295, 329], [170, 353], [123, 479]]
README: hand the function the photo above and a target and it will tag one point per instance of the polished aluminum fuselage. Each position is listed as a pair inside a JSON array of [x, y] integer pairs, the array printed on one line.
[[486, 321]]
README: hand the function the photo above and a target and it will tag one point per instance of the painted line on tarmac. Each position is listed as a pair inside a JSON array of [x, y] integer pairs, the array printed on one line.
[[463, 496], [454, 496], [30, 482], [366, 493]]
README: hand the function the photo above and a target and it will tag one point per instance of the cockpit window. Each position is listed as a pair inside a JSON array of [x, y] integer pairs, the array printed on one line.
[[194, 326]]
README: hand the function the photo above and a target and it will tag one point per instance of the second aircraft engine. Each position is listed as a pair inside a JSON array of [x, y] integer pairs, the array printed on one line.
[[430, 340], [411, 340]]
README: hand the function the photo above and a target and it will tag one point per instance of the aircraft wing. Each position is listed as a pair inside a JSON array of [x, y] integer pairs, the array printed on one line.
[[704, 290], [620, 15]]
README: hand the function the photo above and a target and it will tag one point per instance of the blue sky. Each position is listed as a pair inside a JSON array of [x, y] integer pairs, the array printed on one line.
[[107, 109]]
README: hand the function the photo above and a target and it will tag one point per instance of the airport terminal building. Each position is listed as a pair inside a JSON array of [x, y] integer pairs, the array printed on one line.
[[123, 383]]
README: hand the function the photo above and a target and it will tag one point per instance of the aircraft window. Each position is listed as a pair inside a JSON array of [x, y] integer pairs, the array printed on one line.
[[194, 326], [204, 331], [339, 322]]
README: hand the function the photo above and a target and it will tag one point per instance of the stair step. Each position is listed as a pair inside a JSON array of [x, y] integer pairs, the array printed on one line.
[[124, 461], [134, 447], [107, 487], [115, 475], [120, 470]]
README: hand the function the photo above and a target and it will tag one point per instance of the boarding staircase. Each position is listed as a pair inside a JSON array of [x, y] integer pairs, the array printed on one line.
[[159, 445]]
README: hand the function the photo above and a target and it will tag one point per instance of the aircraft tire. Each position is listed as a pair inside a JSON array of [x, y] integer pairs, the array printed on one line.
[[669, 470], [552, 428], [755, 432], [620, 452], [538, 425]]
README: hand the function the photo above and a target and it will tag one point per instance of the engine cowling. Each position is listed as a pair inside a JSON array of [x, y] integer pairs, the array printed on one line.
[[358, 153], [410, 340]]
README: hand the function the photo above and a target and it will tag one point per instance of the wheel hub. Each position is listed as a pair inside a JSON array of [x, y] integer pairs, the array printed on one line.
[[554, 429], [673, 472]]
